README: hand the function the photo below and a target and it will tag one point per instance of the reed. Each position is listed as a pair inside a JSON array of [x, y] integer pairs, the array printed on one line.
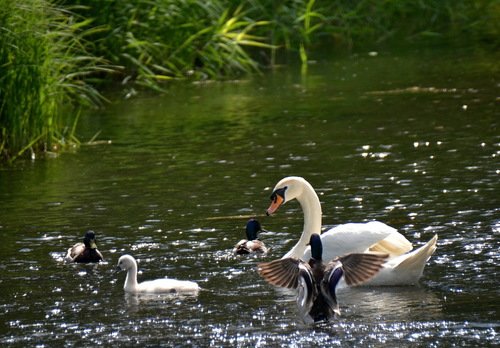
[[44, 72], [159, 41]]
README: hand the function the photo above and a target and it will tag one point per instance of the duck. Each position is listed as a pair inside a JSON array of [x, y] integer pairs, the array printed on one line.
[[85, 252], [316, 282], [252, 244], [157, 286], [404, 265]]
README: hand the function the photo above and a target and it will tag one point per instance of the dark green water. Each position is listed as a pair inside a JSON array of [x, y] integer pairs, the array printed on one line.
[[181, 169]]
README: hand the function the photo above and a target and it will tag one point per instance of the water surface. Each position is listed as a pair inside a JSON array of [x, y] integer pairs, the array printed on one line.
[[408, 139]]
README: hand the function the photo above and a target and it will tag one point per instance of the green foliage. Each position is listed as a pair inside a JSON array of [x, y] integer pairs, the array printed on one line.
[[44, 68], [158, 41], [373, 21]]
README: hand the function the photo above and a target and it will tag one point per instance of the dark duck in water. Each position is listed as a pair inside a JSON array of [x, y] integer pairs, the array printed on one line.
[[316, 282], [252, 244], [85, 252]]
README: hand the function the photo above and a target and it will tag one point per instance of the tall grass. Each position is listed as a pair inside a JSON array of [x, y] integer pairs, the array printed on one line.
[[159, 41], [44, 69]]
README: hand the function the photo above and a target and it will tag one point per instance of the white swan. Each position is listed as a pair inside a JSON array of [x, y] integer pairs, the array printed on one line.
[[165, 285], [402, 267]]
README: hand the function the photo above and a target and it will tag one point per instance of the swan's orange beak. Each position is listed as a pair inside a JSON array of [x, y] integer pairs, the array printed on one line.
[[275, 204]]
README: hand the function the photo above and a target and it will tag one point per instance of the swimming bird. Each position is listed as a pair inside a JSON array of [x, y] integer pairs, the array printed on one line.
[[316, 282], [252, 244], [402, 268], [85, 252], [163, 285]]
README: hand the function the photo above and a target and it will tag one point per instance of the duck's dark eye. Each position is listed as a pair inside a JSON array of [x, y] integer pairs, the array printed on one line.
[[279, 192]]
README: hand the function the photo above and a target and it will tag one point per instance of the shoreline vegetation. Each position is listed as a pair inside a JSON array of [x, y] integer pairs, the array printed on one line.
[[57, 56]]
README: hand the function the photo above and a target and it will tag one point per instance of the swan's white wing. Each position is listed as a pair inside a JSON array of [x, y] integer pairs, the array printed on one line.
[[361, 237], [168, 286], [395, 244], [405, 269]]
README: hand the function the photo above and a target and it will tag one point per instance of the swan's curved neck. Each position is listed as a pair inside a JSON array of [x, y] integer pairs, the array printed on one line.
[[131, 279], [311, 207]]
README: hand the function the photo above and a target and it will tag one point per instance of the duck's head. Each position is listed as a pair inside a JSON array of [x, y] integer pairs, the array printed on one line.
[[89, 240], [285, 190], [125, 262], [316, 247], [252, 229]]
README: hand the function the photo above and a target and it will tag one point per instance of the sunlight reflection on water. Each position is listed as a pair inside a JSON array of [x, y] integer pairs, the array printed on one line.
[[177, 196]]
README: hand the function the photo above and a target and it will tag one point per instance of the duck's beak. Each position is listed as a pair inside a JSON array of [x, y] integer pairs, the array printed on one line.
[[93, 245], [275, 204]]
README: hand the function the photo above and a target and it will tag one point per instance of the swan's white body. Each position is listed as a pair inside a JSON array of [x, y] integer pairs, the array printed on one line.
[[165, 285], [402, 268]]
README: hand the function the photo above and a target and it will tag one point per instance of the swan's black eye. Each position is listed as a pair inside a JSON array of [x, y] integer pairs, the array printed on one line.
[[279, 192]]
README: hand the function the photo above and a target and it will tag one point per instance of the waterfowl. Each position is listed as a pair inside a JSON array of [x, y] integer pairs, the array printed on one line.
[[164, 285], [402, 268], [252, 244], [85, 252], [316, 282]]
